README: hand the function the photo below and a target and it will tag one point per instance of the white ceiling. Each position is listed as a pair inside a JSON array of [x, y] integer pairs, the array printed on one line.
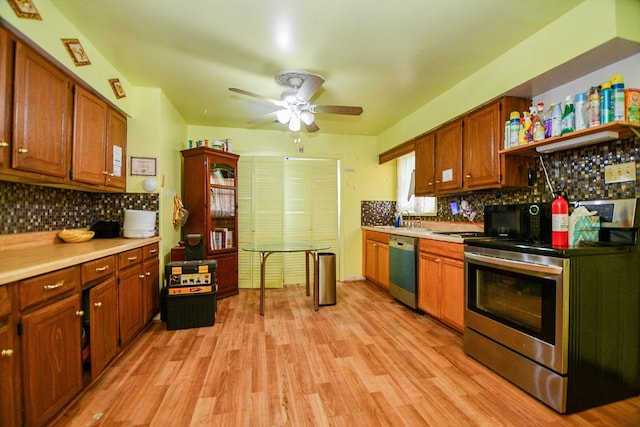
[[390, 57]]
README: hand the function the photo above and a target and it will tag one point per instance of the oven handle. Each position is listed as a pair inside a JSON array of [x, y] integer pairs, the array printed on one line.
[[512, 264]]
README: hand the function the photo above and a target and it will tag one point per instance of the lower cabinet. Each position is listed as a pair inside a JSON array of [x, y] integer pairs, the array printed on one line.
[[375, 258], [103, 330], [441, 281], [151, 286], [9, 354], [130, 302], [227, 273], [51, 358]]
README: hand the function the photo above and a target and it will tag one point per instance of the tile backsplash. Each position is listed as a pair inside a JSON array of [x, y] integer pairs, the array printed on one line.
[[579, 172], [28, 208]]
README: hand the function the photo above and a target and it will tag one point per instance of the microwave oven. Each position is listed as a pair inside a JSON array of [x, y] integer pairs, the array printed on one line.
[[523, 222]]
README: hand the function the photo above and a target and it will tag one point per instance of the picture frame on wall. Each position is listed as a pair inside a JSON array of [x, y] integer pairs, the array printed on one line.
[[25, 9], [144, 166], [117, 88], [76, 52]]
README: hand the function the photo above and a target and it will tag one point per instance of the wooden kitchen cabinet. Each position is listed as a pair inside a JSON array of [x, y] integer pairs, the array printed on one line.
[[10, 415], [448, 157], [151, 286], [42, 116], [98, 133], [130, 294], [425, 172], [441, 281], [6, 98], [483, 139], [211, 197], [51, 358], [376, 257]]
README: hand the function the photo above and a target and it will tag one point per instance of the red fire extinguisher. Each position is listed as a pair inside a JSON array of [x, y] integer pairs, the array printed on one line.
[[560, 222]]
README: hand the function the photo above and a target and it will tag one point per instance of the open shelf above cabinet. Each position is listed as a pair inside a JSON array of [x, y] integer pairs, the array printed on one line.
[[590, 136]]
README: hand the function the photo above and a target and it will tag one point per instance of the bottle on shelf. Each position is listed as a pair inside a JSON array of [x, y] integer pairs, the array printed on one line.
[[556, 119], [617, 96], [514, 128], [525, 135], [547, 121], [581, 107], [538, 122], [606, 108], [594, 106], [568, 116]]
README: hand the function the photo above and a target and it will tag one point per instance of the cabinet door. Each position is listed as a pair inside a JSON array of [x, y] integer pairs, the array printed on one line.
[[89, 138], [103, 329], [370, 259], [6, 62], [51, 359], [151, 269], [42, 115], [227, 274], [429, 279], [425, 165], [482, 131], [382, 265], [449, 157], [9, 403], [452, 292], [116, 155], [130, 302]]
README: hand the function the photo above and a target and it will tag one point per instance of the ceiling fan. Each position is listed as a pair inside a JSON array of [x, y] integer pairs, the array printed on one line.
[[295, 106]]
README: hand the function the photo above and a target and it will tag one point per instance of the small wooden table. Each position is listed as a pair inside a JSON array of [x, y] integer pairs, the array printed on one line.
[[309, 248]]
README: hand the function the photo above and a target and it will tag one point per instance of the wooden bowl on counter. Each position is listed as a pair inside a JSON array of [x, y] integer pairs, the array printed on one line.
[[76, 236]]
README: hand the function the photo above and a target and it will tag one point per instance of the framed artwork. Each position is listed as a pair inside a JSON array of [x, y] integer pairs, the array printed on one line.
[[143, 166], [117, 88], [25, 9], [76, 52]]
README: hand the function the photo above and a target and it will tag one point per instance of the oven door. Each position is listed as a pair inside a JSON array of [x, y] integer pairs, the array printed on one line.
[[520, 301]]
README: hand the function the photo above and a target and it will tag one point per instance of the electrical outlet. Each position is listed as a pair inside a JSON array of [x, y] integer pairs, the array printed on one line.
[[620, 173]]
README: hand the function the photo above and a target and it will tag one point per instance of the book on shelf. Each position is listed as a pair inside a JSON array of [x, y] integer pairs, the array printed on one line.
[[221, 238]]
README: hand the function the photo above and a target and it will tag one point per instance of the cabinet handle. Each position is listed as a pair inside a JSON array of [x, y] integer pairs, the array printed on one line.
[[80, 313], [437, 259], [23, 150], [148, 273], [97, 304], [141, 276], [6, 353], [54, 286], [153, 251], [437, 181], [132, 258], [430, 183], [468, 175], [107, 173], [105, 268], [3, 143]]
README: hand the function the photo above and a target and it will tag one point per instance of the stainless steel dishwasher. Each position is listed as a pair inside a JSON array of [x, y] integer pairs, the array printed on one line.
[[403, 268]]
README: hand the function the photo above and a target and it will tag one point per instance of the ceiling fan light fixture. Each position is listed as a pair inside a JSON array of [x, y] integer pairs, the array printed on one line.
[[294, 124], [283, 115], [307, 117]]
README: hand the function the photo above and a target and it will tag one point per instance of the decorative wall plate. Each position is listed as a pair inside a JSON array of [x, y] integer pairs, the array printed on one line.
[[76, 52], [118, 90], [25, 9]]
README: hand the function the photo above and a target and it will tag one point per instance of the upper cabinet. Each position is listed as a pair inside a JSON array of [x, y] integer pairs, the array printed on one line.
[[448, 157], [99, 142], [53, 129], [482, 141], [42, 115], [425, 174]]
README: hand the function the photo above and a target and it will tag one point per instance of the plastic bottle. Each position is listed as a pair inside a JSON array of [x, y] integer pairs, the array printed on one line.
[[556, 119], [514, 128], [594, 106], [560, 222], [569, 116], [606, 107], [538, 122], [525, 135], [581, 111], [547, 121], [617, 96]]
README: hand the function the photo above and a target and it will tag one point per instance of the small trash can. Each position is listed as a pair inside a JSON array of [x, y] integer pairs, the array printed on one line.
[[326, 278]]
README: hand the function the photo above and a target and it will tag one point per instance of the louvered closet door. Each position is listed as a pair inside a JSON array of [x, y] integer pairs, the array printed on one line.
[[262, 212]]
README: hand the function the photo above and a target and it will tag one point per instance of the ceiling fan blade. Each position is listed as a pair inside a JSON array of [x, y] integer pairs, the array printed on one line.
[[267, 117], [313, 127], [339, 109], [310, 85], [261, 97]]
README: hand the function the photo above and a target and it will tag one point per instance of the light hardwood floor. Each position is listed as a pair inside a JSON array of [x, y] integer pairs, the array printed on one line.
[[367, 361]]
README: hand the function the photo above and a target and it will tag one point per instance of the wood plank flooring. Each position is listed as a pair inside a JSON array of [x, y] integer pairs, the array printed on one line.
[[367, 361]]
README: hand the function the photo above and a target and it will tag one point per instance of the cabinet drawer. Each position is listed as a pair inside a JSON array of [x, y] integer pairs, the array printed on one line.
[[48, 286], [446, 249], [5, 301], [102, 267], [151, 251], [134, 256], [377, 236]]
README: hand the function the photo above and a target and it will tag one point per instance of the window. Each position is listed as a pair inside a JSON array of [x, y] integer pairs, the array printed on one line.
[[405, 198]]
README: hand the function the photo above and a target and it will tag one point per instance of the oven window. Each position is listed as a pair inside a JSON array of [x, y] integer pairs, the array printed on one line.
[[523, 302]]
